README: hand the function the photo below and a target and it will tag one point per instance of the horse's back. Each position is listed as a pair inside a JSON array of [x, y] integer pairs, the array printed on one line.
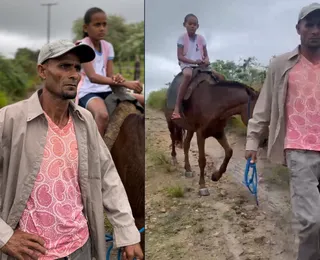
[[172, 91]]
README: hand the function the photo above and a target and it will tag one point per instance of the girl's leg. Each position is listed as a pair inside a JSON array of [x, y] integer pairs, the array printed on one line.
[[100, 114], [139, 97], [187, 75]]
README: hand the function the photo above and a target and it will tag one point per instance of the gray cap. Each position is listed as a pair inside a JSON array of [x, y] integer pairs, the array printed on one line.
[[307, 10], [58, 48]]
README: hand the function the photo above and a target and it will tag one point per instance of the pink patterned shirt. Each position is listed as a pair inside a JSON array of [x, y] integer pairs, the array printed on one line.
[[303, 107], [54, 210]]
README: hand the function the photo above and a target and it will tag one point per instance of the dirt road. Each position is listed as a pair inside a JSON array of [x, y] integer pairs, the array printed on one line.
[[226, 225]]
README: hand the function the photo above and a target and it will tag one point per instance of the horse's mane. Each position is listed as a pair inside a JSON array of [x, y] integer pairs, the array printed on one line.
[[232, 83]]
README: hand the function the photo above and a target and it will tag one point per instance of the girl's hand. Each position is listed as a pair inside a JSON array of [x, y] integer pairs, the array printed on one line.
[[134, 85], [206, 62], [118, 78]]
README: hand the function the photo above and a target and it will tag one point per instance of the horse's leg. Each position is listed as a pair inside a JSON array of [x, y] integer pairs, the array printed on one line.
[[202, 164], [222, 139], [186, 147], [173, 142]]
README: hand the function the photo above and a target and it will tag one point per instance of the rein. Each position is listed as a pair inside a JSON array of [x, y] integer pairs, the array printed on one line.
[[251, 180]]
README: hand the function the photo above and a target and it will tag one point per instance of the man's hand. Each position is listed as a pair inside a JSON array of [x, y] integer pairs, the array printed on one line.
[[23, 244], [134, 85], [252, 155], [133, 252]]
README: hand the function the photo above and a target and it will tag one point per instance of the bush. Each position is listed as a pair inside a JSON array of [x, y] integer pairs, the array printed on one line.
[[157, 99], [3, 99], [236, 125]]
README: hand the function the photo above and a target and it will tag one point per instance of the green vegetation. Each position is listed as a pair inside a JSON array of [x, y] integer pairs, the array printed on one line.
[[175, 192], [156, 99], [128, 43], [18, 76]]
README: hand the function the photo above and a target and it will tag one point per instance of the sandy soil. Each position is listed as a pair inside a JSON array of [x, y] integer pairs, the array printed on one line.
[[225, 225]]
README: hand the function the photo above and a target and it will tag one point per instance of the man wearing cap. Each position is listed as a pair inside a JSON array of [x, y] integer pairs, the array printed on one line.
[[56, 173], [289, 108]]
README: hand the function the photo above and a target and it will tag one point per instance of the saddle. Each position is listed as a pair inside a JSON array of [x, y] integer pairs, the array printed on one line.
[[198, 75], [118, 95], [120, 104], [208, 76]]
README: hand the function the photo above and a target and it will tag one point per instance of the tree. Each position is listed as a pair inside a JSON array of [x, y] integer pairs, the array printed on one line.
[[248, 71], [13, 80], [127, 39]]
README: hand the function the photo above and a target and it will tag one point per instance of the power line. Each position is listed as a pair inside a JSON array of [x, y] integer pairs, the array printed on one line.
[[48, 5]]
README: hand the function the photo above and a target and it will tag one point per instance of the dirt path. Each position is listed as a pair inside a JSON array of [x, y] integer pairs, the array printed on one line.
[[225, 225]]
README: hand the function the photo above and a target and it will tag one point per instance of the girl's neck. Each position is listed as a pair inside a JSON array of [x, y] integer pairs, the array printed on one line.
[[191, 35], [96, 44]]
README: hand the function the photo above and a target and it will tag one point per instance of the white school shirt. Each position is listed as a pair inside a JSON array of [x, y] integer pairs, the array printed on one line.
[[193, 52], [101, 69]]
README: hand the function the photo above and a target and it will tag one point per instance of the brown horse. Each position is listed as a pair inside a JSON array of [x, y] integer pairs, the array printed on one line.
[[177, 133], [206, 111], [127, 150]]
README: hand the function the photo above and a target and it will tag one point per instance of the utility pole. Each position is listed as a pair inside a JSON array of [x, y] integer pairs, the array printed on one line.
[[49, 19]]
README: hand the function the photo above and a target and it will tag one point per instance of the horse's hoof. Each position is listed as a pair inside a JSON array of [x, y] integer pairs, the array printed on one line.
[[204, 192], [188, 174], [214, 178]]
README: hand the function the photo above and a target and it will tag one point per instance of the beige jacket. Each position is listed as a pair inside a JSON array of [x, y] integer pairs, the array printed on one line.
[[23, 130], [269, 112]]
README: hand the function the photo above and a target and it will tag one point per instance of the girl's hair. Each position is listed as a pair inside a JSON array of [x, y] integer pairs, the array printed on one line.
[[188, 16], [88, 15]]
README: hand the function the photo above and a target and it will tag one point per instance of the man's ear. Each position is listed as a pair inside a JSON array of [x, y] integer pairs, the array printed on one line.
[[298, 28], [42, 71]]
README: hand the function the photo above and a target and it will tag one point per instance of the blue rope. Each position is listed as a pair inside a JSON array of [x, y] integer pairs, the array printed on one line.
[[109, 238], [251, 181]]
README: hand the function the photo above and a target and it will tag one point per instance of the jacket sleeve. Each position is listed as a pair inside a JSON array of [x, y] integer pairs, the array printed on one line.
[[259, 123], [5, 230], [115, 200]]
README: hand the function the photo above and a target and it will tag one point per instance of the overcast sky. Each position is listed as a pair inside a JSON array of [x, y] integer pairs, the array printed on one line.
[[23, 23], [233, 29]]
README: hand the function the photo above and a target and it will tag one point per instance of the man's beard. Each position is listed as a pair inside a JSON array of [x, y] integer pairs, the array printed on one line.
[[68, 96]]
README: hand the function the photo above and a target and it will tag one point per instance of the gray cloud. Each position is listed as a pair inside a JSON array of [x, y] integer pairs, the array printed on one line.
[[233, 29], [24, 22]]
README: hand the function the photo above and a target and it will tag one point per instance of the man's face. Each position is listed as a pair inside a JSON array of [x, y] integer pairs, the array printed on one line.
[[61, 75], [309, 30]]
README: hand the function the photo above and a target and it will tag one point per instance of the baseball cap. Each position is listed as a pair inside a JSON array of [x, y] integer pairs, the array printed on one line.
[[308, 9], [58, 48]]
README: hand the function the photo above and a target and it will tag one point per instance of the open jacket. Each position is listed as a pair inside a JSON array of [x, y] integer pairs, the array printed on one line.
[[23, 131], [269, 113]]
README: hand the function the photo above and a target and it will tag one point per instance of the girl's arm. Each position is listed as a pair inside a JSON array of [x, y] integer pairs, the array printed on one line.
[[96, 78], [183, 58], [205, 54], [110, 68], [109, 71]]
